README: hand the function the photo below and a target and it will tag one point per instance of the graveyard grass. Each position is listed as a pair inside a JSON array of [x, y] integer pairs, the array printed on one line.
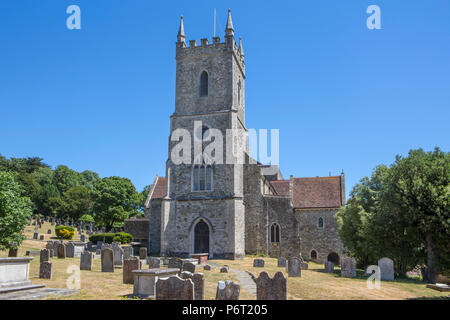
[[313, 284]]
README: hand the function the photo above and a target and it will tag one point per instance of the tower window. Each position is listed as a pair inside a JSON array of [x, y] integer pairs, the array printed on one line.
[[275, 233], [204, 84], [320, 223], [239, 92], [202, 176]]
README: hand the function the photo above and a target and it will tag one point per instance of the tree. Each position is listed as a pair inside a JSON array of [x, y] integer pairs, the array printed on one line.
[[89, 178], [15, 210], [64, 178], [44, 191], [115, 199]]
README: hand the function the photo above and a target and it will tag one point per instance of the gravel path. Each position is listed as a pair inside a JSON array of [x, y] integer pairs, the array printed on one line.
[[245, 280]]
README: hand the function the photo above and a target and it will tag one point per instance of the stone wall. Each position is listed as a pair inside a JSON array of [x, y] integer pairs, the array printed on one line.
[[323, 240], [154, 232], [138, 228]]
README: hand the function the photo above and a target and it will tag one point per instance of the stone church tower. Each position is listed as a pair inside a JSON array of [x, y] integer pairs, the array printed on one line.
[[203, 210]]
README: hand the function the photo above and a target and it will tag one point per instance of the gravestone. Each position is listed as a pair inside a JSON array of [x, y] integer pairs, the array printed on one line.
[[153, 263], [142, 253], [271, 288], [82, 238], [52, 253], [35, 236], [348, 267], [175, 263], [118, 255], [258, 263], [45, 255], [294, 267], [61, 251], [130, 264], [227, 290], [41, 237], [199, 283], [174, 288], [281, 262], [86, 261], [45, 270], [49, 231], [304, 266], [98, 247], [329, 267], [107, 260], [386, 269], [224, 269], [127, 252], [12, 253], [189, 267], [70, 250], [207, 267], [89, 246]]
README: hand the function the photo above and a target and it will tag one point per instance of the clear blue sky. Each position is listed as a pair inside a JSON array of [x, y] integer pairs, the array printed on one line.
[[343, 96]]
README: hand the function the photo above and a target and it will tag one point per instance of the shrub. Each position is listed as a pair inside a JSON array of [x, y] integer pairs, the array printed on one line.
[[121, 237], [86, 218], [65, 232]]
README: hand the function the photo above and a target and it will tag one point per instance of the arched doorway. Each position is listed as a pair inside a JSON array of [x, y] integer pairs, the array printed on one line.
[[201, 237], [333, 257], [313, 255]]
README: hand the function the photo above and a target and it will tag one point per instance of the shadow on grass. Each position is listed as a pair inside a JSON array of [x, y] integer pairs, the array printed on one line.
[[431, 298]]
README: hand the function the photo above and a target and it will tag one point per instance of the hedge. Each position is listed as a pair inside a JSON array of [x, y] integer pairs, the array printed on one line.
[[65, 232], [121, 237]]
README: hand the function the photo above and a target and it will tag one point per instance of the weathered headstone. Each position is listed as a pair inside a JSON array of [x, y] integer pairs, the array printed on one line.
[[70, 250], [45, 270], [175, 263], [86, 261], [199, 283], [45, 255], [143, 253], [271, 288], [227, 290], [258, 263], [329, 267], [107, 260], [89, 246], [127, 252], [35, 236], [61, 251], [98, 247], [281, 262], [304, 266], [153, 263], [83, 238], [190, 267], [224, 269], [52, 253], [130, 264], [294, 267], [118, 255], [207, 267], [12, 252], [348, 267], [386, 269], [174, 288]]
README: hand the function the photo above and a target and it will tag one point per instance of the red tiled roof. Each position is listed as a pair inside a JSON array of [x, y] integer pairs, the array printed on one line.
[[281, 187], [160, 189], [320, 192]]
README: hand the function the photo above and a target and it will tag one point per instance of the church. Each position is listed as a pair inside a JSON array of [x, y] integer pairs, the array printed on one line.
[[231, 209]]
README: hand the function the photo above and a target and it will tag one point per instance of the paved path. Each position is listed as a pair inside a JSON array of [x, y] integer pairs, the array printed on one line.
[[244, 278]]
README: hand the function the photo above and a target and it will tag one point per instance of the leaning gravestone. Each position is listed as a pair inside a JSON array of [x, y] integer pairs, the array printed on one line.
[[174, 288], [61, 251], [153, 263], [271, 288], [175, 263], [142, 253], [86, 261], [294, 267], [329, 267], [258, 263], [107, 260], [45, 270], [127, 252], [227, 290], [70, 250], [199, 283], [386, 269], [190, 267], [348, 267], [118, 255], [130, 264], [281, 262], [45, 255]]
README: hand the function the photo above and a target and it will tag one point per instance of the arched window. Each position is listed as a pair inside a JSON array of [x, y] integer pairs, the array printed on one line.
[[320, 223], [313, 255], [275, 233], [204, 84], [202, 177]]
